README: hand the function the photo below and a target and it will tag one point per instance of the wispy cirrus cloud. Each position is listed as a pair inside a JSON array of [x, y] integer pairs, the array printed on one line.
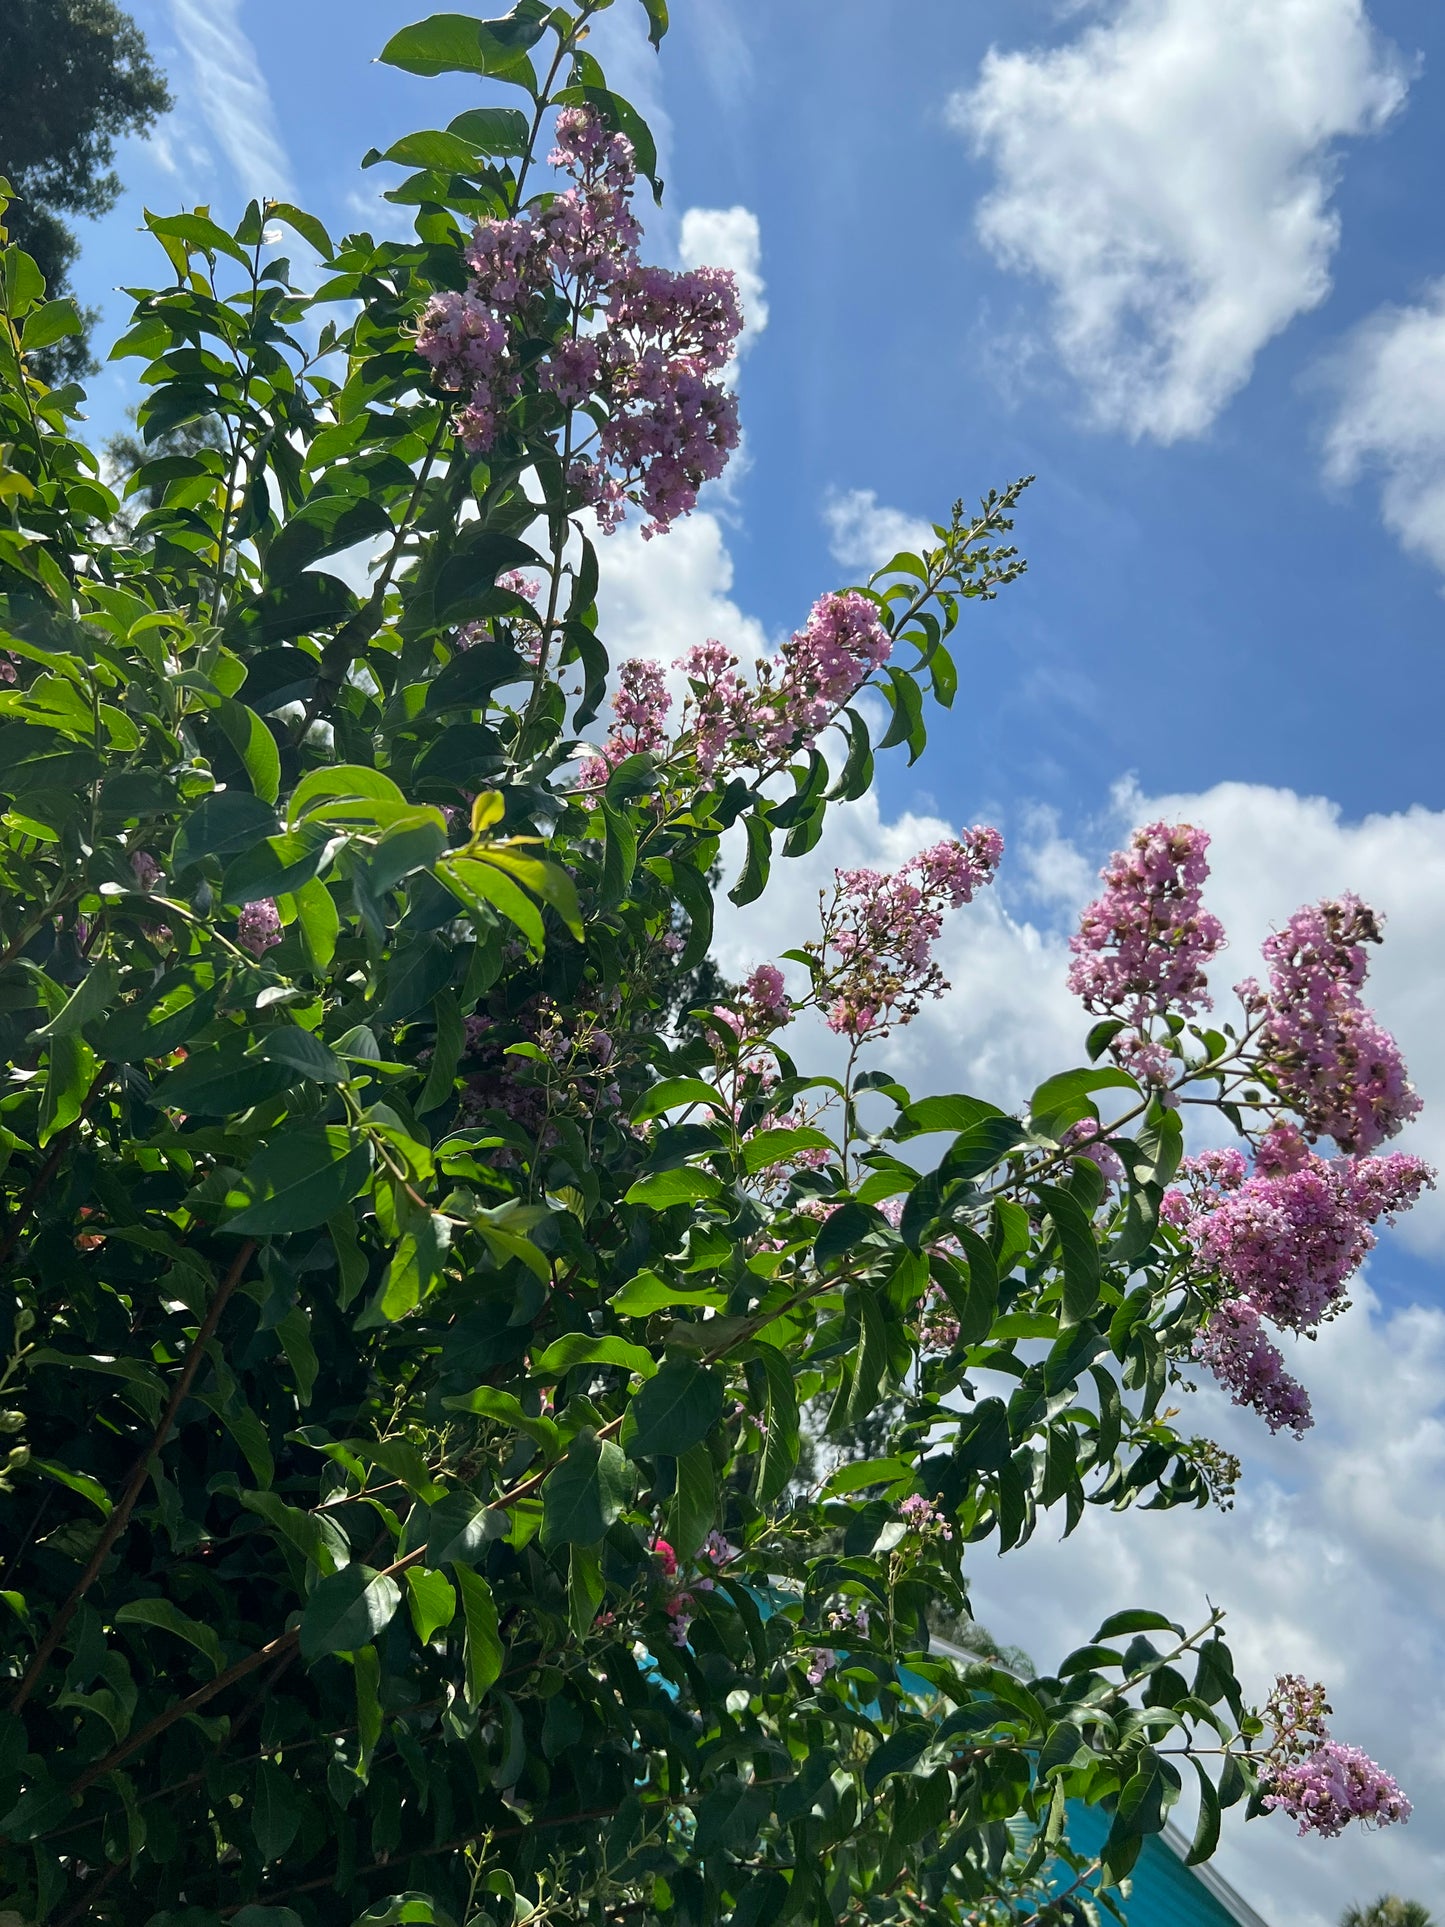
[[232, 96]]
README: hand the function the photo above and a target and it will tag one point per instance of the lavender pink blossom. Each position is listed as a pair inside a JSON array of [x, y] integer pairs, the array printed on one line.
[[874, 963], [1142, 945], [1332, 1061], [258, 928], [1315, 1779]]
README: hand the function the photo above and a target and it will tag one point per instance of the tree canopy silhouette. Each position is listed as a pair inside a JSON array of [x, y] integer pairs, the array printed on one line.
[[75, 75]]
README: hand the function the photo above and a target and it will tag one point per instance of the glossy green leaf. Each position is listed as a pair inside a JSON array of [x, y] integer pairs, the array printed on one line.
[[347, 1610], [483, 1643], [431, 1600], [584, 1494], [301, 1179], [675, 1409]]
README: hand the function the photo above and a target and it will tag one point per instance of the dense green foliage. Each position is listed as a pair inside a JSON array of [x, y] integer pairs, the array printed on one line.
[[364, 1325]]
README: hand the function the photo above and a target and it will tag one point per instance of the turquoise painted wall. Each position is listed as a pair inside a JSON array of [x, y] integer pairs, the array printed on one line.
[[1166, 1893]]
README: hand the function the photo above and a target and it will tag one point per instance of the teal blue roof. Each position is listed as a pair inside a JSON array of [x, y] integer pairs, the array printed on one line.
[[1165, 1893]]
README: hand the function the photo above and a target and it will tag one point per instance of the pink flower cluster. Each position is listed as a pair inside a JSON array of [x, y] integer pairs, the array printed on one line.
[[258, 928], [729, 722], [715, 1553], [639, 711], [760, 1006], [1142, 945], [820, 667], [1312, 1777], [874, 963], [1332, 1061], [653, 362], [1284, 1241], [922, 1516]]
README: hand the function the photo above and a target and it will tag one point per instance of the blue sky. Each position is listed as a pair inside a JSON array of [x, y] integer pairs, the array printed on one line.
[[1179, 258]]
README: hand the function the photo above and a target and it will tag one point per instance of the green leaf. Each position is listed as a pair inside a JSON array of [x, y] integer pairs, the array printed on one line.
[[581, 1348], [480, 885], [754, 879], [413, 1270], [306, 225], [869, 1360], [297, 1180], [413, 977], [347, 1610], [279, 866], [431, 1601], [169, 1014], [782, 1442], [95, 993], [647, 1293], [656, 11], [70, 1071], [319, 919], [24, 283], [488, 1401], [843, 1230], [454, 43], [168, 1618], [483, 1644], [303, 1053], [455, 1529], [694, 1508], [366, 1673], [275, 1811], [666, 1188], [255, 745], [672, 1094], [51, 323], [1064, 1100], [619, 856], [451, 1038], [1079, 1251], [959, 1114], [676, 1409], [764, 1148], [320, 527], [342, 792], [584, 1494], [1206, 1833], [730, 1816], [495, 130], [223, 823], [223, 1080], [1137, 1619]]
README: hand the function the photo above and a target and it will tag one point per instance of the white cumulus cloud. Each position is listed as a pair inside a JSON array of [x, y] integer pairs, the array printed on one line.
[[1390, 419], [232, 95], [864, 533], [1168, 174], [729, 237]]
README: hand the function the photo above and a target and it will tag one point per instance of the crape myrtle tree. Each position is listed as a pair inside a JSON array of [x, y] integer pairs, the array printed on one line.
[[405, 1316]]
